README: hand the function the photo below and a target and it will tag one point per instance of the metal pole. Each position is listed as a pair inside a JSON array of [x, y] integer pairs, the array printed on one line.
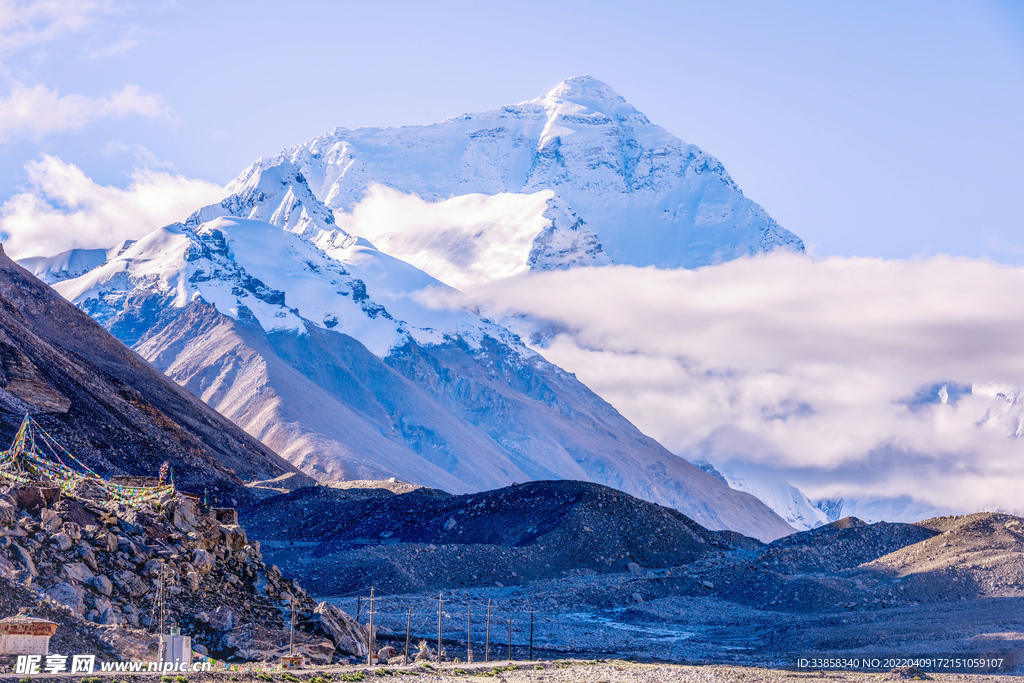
[[408, 630], [163, 644], [487, 643], [469, 636], [440, 603], [531, 636], [510, 639], [369, 636], [291, 640]]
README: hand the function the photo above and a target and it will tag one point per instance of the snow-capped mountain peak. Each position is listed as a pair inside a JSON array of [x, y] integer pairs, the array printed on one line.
[[622, 190], [277, 194]]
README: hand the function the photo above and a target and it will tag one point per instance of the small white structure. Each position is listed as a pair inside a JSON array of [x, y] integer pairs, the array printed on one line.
[[177, 649], [23, 635]]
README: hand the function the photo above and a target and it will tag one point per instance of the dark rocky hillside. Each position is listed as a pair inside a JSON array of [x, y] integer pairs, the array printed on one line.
[[106, 405], [339, 541]]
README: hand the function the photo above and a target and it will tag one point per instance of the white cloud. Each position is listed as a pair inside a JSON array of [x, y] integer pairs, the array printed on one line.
[[810, 368], [119, 48], [24, 23], [142, 155], [461, 241], [38, 111], [65, 209]]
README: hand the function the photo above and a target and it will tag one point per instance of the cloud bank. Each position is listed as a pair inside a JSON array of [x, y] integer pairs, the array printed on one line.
[[65, 209], [849, 376], [38, 111]]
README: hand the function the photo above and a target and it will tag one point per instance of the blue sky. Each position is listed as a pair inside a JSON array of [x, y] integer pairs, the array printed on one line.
[[889, 129]]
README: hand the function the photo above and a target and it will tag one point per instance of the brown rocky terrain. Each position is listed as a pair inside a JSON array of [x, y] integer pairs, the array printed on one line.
[[108, 406], [95, 568]]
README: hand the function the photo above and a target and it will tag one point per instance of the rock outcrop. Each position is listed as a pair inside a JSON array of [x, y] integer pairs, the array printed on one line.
[[107, 583]]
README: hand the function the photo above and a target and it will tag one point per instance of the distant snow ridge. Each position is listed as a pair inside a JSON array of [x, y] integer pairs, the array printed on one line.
[[617, 188], [70, 264], [873, 509], [785, 500]]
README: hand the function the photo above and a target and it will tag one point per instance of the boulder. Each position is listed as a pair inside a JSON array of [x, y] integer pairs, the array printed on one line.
[[348, 635], [102, 585], [34, 498], [130, 584], [51, 520], [192, 580], [63, 541], [70, 596], [7, 569], [185, 516], [223, 619], [88, 556], [78, 572], [234, 537], [8, 513], [73, 530], [25, 558], [203, 561]]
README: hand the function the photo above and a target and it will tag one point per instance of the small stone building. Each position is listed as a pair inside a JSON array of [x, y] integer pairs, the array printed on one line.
[[24, 635]]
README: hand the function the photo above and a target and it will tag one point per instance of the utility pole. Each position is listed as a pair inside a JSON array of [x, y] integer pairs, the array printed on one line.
[[369, 636], [487, 643], [469, 636], [408, 630], [160, 608], [531, 636], [510, 640], [291, 639], [440, 603]]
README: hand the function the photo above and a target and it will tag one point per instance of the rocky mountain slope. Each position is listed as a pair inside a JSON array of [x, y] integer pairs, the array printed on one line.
[[344, 540], [340, 362], [96, 565], [608, 186], [106, 405]]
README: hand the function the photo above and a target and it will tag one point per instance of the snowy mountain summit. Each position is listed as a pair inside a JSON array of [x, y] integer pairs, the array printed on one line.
[[575, 177]]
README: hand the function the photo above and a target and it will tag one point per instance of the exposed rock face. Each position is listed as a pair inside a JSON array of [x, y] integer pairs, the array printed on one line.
[[106, 405], [237, 607]]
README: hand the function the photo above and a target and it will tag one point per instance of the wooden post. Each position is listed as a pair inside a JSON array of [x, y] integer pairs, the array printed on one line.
[[487, 643], [408, 630], [510, 639], [359, 606], [469, 635], [369, 636], [440, 605], [531, 636]]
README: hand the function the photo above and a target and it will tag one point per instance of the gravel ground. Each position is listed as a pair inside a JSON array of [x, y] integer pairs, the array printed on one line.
[[608, 671]]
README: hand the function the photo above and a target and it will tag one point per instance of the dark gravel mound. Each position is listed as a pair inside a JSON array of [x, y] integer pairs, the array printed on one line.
[[426, 539], [841, 545], [106, 405]]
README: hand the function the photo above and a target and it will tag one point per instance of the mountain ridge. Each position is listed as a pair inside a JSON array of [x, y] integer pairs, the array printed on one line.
[[106, 404]]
